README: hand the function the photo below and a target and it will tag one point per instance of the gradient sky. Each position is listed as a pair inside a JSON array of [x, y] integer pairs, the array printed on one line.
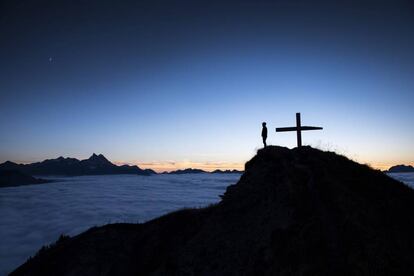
[[173, 84]]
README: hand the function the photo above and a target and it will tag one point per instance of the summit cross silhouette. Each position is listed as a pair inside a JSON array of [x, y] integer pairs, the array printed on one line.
[[298, 129]]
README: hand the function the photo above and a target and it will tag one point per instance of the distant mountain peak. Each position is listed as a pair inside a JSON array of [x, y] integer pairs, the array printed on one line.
[[8, 165], [98, 157]]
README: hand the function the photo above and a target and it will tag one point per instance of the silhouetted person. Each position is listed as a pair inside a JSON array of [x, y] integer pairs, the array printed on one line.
[[264, 133]]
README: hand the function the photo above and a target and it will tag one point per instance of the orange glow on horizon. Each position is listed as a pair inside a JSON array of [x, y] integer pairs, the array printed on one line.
[[168, 166], [384, 165], [160, 167]]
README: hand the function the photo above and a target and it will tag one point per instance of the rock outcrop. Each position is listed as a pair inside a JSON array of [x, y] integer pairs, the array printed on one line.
[[293, 212], [187, 171], [11, 178], [227, 171], [401, 169], [196, 171]]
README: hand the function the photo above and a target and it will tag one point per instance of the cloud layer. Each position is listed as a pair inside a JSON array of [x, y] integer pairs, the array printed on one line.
[[33, 216]]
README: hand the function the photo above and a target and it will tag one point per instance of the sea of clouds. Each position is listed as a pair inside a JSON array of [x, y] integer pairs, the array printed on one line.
[[407, 178], [36, 215]]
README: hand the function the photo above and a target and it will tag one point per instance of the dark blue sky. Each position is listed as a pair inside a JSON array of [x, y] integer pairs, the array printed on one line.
[[168, 84]]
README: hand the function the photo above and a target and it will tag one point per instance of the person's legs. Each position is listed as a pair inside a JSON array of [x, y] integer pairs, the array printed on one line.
[[264, 141]]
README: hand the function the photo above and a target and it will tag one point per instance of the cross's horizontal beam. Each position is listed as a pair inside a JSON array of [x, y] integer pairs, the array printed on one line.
[[309, 128], [282, 129]]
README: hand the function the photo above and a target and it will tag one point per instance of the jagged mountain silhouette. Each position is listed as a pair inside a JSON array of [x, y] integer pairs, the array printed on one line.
[[94, 165]]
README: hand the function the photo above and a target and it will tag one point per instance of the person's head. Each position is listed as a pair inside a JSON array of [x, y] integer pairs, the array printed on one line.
[[264, 124]]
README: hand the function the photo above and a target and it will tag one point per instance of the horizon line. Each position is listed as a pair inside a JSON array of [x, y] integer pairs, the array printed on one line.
[[208, 166]]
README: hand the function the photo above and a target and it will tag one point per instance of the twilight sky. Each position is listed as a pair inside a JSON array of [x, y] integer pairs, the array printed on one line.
[[173, 84]]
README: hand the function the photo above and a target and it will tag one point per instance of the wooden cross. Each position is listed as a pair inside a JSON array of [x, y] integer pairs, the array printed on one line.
[[298, 129]]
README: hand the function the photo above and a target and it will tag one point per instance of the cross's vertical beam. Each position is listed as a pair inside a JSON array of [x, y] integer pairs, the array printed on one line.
[[298, 130]]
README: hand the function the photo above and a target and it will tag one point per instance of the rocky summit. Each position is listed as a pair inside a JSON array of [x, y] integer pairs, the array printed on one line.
[[293, 212]]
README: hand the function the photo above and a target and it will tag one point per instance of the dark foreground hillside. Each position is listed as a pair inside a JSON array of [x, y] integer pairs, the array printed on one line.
[[293, 212]]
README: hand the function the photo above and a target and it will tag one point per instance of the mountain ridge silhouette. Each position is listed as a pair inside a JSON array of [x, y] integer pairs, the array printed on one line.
[[94, 165], [400, 169]]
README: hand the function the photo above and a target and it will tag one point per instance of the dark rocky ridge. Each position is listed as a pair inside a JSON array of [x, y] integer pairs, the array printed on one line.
[[227, 171], [400, 169], [293, 212], [94, 165], [11, 178], [192, 171], [187, 171]]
